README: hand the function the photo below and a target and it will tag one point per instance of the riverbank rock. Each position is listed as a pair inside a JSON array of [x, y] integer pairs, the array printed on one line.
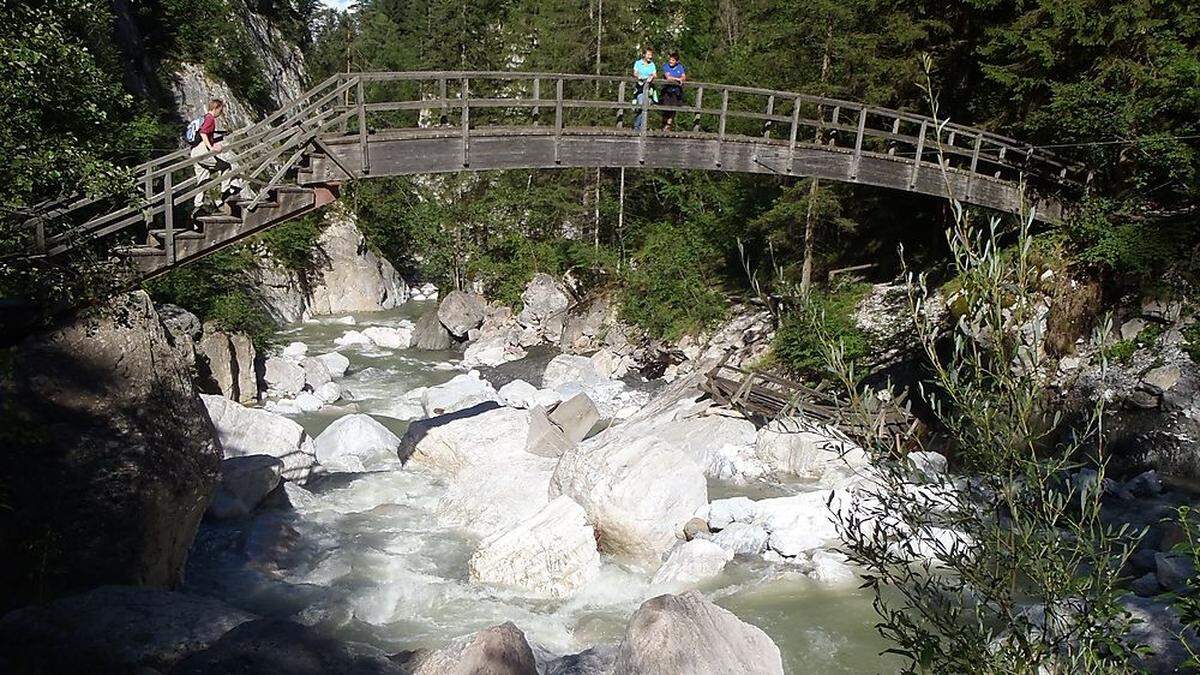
[[429, 333], [250, 431], [351, 277], [586, 325], [114, 629], [551, 554], [461, 392], [499, 650], [459, 312], [270, 647], [493, 350], [109, 453], [544, 306], [688, 635], [245, 482], [692, 562], [800, 448], [225, 364], [356, 443], [723, 446], [637, 493]]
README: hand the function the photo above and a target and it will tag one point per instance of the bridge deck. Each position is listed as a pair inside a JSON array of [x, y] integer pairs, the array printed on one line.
[[363, 125]]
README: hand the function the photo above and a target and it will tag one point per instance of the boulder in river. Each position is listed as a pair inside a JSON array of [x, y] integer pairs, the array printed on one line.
[[251, 431], [461, 392], [336, 363], [390, 337], [245, 481], [494, 493], [798, 447], [459, 312], [429, 333], [114, 629], [551, 554], [113, 456], [638, 493], [351, 276], [273, 647], [356, 443], [449, 442], [316, 373], [689, 635], [692, 562], [499, 650], [283, 376]]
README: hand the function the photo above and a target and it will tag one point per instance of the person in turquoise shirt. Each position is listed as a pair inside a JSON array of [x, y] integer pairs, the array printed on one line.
[[645, 71]]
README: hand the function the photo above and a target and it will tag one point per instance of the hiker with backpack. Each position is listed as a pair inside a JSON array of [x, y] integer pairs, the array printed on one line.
[[202, 135]]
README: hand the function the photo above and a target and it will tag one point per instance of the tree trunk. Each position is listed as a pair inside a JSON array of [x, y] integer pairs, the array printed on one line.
[[810, 220]]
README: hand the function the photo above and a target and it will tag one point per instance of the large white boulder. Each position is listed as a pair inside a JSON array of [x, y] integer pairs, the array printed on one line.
[[566, 369], [352, 277], [283, 376], [388, 337], [316, 373], [692, 562], [688, 635], [249, 431], [353, 338], [336, 363], [544, 306], [356, 443], [245, 481], [723, 446], [462, 392], [518, 394], [637, 493], [809, 451], [451, 442], [492, 350], [798, 523], [551, 554], [493, 494], [459, 312]]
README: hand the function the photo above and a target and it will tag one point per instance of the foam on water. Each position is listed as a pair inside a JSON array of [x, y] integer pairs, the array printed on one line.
[[367, 559]]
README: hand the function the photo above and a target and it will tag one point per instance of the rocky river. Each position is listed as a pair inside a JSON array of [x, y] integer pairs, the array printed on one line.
[[375, 556]]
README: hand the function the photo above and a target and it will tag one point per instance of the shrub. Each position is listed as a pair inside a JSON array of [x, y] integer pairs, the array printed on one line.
[[294, 244], [797, 346], [669, 290]]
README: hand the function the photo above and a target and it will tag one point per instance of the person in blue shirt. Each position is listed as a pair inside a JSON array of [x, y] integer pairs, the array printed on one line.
[[644, 70], [672, 93]]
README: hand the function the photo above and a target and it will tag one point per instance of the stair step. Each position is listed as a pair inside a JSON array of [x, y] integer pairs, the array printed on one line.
[[179, 234], [139, 251], [292, 189], [218, 219], [264, 204]]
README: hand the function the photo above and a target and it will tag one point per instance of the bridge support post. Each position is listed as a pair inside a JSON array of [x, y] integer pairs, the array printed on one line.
[[916, 167], [792, 135], [169, 217], [466, 122], [721, 125], [645, 123], [621, 105], [699, 108], [537, 96], [558, 120], [858, 143], [974, 164], [365, 156]]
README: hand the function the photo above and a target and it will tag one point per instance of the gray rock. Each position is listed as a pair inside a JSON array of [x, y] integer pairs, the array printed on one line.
[[178, 321], [1157, 627], [499, 650], [316, 373], [927, 465], [283, 376], [117, 459], [1174, 570], [725, 512], [742, 539], [251, 431], [1163, 310], [352, 278], [595, 661], [545, 437], [356, 443], [575, 416], [226, 364], [1131, 328], [1146, 585], [429, 333], [689, 635], [584, 328], [1161, 379], [544, 304], [335, 363], [272, 647], [459, 312], [1145, 484], [114, 629], [694, 528], [244, 357], [245, 482]]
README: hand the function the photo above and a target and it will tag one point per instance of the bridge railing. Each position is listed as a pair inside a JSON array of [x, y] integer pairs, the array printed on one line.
[[566, 103], [355, 107]]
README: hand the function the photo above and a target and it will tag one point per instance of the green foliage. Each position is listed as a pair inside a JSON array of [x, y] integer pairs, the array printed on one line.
[[1122, 351], [798, 346], [214, 289], [1191, 336], [669, 290], [1105, 234], [293, 244]]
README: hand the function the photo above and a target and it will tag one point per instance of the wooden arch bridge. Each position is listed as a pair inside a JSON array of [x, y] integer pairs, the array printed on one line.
[[359, 125]]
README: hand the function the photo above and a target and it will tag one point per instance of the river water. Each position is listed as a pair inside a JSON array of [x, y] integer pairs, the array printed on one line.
[[366, 558]]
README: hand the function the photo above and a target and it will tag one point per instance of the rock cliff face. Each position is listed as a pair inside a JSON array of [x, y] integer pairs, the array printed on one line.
[[109, 457], [350, 277]]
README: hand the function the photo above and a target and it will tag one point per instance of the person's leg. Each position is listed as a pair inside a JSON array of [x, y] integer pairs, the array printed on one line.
[[202, 175], [638, 118]]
